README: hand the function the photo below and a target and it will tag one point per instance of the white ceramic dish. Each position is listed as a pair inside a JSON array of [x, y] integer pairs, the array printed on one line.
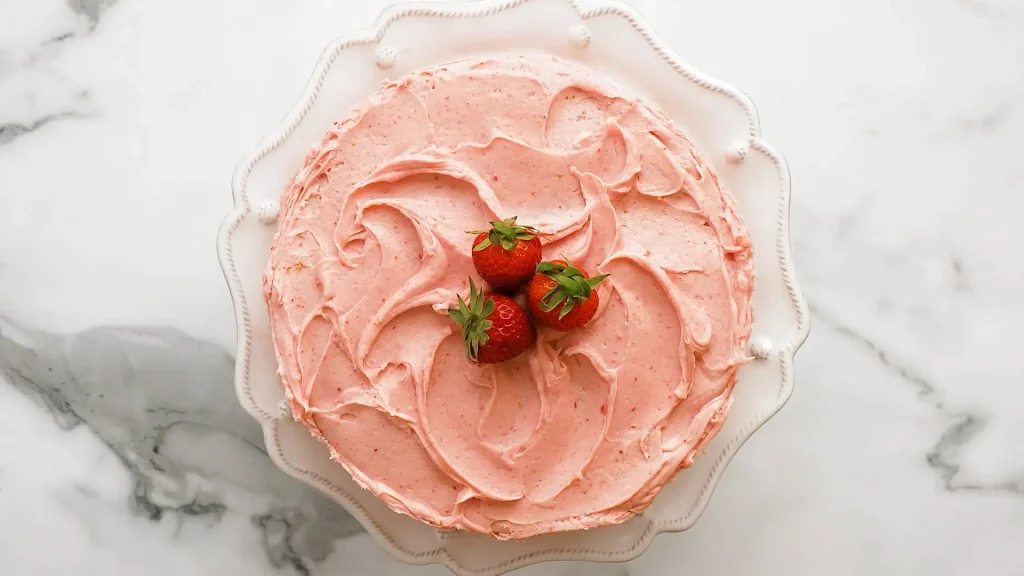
[[608, 37]]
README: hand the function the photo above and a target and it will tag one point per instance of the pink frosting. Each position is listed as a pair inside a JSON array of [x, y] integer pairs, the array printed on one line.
[[586, 427]]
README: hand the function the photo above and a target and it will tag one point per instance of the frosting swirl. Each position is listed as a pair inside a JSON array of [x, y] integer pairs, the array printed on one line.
[[585, 428]]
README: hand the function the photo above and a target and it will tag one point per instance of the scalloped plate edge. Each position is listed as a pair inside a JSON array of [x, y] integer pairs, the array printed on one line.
[[242, 208]]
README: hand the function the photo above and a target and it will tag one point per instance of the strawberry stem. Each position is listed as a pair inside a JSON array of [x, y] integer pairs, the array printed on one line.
[[473, 319], [504, 233], [571, 286]]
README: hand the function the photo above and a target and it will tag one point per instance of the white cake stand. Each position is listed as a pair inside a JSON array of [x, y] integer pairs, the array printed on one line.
[[612, 39]]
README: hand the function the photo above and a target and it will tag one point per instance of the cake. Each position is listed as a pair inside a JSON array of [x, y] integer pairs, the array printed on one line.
[[586, 427]]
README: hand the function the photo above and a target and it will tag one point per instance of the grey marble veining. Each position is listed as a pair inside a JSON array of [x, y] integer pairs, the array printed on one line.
[[8, 132], [91, 9], [123, 450], [151, 394], [962, 424]]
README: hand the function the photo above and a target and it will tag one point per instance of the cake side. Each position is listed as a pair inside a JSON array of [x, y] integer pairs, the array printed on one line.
[[584, 429]]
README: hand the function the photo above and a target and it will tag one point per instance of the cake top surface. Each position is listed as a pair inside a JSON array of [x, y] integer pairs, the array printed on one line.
[[586, 427]]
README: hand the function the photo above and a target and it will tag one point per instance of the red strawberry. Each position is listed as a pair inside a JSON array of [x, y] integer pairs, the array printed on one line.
[[561, 296], [495, 328], [507, 255]]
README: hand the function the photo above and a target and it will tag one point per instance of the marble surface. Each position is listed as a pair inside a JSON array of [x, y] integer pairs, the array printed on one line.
[[123, 451]]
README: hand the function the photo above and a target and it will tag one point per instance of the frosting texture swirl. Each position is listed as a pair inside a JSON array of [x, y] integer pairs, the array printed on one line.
[[585, 428]]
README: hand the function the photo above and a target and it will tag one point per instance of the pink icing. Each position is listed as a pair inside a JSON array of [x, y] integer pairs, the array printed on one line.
[[585, 428]]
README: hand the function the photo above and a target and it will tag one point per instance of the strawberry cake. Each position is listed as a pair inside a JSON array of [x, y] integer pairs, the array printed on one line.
[[374, 321]]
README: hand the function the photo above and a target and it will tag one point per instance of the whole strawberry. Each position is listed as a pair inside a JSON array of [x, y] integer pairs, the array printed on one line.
[[561, 296], [494, 327], [507, 255]]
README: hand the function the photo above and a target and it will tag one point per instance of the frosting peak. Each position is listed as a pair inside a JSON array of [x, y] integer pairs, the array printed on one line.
[[585, 428]]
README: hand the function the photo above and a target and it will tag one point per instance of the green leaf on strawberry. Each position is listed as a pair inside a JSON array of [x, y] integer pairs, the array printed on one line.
[[572, 286], [504, 233], [473, 319]]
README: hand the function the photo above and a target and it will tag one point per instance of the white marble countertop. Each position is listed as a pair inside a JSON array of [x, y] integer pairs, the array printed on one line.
[[124, 452]]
